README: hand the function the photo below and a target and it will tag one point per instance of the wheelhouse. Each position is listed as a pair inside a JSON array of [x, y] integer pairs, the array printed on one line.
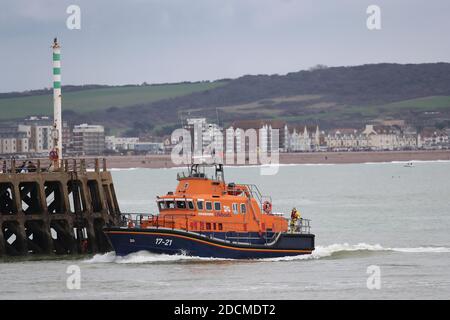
[[207, 203]]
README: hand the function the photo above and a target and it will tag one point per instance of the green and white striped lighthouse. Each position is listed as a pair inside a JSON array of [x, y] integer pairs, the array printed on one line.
[[57, 117]]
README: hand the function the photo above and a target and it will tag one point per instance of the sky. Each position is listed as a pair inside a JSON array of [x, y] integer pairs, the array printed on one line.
[[158, 41]]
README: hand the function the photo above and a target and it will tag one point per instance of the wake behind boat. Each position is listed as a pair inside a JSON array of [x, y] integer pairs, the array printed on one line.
[[207, 217]]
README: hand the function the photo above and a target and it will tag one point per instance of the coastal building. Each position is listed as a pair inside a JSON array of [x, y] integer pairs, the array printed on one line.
[[432, 138], [40, 133], [269, 133], [346, 139], [389, 138], [149, 147], [14, 139], [373, 137], [114, 143], [205, 137], [89, 139], [39, 130], [66, 136], [41, 139], [303, 139]]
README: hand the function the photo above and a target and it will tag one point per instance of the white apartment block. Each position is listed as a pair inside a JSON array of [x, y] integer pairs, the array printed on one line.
[[41, 140], [89, 139], [120, 143], [14, 139]]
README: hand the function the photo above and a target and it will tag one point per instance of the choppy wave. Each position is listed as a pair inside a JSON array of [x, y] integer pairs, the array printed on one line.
[[340, 249], [145, 257], [319, 253]]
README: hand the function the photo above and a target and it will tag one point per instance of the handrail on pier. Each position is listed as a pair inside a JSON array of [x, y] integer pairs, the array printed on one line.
[[38, 165]]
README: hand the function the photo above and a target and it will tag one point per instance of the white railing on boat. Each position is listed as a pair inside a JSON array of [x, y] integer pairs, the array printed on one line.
[[302, 226]]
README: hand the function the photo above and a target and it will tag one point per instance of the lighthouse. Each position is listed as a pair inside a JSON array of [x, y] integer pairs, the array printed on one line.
[[56, 153]]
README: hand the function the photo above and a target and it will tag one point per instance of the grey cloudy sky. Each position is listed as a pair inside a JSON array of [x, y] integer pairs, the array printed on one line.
[[176, 40]]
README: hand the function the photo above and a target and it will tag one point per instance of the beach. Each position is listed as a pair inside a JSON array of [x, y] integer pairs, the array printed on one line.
[[164, 161]]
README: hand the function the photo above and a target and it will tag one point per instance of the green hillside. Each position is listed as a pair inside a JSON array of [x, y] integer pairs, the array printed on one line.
[[332, 97], [86, 101], [434, 103], [313, 110]]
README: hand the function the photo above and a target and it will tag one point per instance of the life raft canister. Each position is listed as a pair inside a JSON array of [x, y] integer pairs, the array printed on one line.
[[267, 207]]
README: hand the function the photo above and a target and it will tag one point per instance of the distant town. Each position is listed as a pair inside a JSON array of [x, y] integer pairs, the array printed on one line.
[[32, 137]]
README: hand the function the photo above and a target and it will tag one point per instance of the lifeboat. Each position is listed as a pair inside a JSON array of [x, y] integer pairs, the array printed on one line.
[[206, 217]]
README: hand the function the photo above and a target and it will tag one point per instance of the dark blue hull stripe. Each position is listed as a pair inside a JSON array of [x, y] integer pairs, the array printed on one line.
[[175, 242]]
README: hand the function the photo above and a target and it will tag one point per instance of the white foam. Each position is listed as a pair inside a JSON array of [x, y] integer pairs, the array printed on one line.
[[318, 253], [144, 257], [327, 251], [102, 258]]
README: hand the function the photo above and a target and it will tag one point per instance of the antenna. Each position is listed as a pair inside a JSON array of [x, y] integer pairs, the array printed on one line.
[[217, 115]]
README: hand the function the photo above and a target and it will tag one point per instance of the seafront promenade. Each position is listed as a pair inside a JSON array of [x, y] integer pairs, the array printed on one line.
[[164, 161]]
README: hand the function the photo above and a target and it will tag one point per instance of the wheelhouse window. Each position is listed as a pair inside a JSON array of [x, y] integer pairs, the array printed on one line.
[[190, 204], [161, 205], [208, 205], [181, 204], [217, 206], [200, 205], [243, 208], [170, 204], [235, 208]]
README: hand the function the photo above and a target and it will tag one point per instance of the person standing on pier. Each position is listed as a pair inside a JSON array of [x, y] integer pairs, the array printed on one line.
[[23, 168], [31, 167]]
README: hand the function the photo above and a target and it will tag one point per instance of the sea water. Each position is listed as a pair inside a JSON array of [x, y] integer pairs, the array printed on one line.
[[386, 216]]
